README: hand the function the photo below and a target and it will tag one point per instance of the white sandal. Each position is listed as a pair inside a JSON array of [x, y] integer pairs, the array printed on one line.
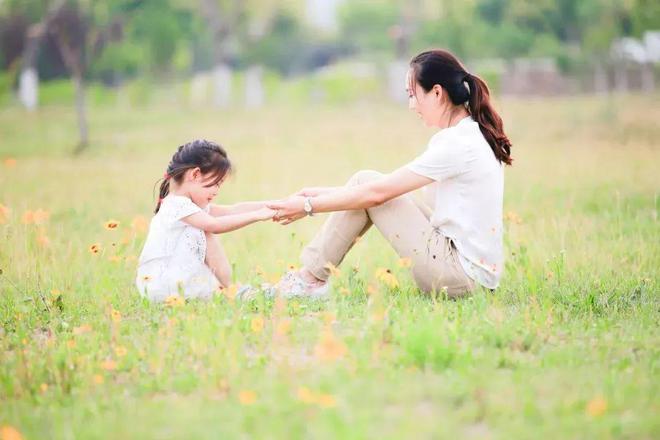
[[291, 285]]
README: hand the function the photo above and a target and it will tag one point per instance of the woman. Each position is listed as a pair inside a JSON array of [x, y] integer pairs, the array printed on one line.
[[459, 245]]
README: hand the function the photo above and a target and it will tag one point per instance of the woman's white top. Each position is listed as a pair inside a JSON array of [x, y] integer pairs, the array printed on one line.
[[172, 261], [468, 192]]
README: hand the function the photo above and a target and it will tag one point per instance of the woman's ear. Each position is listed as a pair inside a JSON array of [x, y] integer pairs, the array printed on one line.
[[437, 90], [195, 173]]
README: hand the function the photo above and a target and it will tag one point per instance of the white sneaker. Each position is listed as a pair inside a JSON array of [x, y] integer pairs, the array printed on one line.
[[293, 286]]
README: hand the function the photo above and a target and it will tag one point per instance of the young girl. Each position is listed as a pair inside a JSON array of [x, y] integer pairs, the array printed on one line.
[[181, 256]]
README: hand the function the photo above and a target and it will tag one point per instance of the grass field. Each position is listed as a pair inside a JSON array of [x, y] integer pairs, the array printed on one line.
[[568, 346]]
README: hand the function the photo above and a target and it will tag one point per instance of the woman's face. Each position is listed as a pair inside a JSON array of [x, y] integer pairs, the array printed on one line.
[[428, 105]]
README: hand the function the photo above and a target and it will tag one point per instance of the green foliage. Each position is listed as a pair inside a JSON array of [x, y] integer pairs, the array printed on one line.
[[365, 25], [166, 37]]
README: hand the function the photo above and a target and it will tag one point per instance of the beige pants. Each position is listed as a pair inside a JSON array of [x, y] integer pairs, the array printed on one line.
[[405, 224]]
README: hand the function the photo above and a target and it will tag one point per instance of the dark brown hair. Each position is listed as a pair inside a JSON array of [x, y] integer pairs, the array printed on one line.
[[208, 156], [441, 67]]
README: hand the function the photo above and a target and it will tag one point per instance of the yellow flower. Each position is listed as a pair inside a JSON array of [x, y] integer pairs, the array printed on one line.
[[40, 216], [405, 262], [85, 328], [43, 387], [378, 314], [115, 315], [174, 301], [130, 258], [55, 293], [323, 400], [292, 266], [259, 271], [371, 289], [111, 224], [329, 317], [513, 217], [114, 258], [139, 223], [257, 324], [109, 365], [387, 277], [597, 406], [98, 379], [247, 397], [334, 270], [95, 249], [326, 401], [230, 291], [71, 343], [283, 327], [329, 348], [10, 162], [344, 291], [305, 395], [4, 213], [120, 351], [28, 217], [10, 433], [43, 240]]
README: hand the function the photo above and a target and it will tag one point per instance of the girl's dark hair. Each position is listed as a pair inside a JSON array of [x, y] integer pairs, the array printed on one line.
[[441, 67], [208, 156]]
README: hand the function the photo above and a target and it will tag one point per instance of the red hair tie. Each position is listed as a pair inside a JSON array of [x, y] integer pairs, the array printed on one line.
[[166, 176]]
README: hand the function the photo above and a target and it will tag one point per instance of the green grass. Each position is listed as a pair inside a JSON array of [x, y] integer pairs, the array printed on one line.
[[566, 348]]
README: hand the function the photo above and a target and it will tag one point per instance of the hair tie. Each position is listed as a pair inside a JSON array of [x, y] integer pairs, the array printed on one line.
[[160, 200], [166, 176]]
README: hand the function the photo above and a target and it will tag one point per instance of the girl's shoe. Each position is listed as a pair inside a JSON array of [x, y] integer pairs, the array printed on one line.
[[291, 285], [246, 292]]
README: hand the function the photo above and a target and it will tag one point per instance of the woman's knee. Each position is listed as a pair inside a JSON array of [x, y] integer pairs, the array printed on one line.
[[364, 176]]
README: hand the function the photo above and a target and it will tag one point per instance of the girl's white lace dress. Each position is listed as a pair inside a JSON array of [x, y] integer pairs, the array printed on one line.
[[172, 261]]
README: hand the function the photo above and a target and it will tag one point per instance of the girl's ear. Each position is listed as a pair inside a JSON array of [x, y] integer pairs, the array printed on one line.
[[195, 173]]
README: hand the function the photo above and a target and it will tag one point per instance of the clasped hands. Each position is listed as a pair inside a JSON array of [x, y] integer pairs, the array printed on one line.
[[292, 208]]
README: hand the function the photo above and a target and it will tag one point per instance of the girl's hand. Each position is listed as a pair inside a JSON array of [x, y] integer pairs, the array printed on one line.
[[265, 213], [288, 210]]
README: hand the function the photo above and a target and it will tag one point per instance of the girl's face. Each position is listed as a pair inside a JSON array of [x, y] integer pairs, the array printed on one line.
[[429, 105], [201, 188]]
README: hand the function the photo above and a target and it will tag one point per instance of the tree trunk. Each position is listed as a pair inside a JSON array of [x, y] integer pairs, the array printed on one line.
[[73, 60], [222, 21], [28, 80], [81, 111]]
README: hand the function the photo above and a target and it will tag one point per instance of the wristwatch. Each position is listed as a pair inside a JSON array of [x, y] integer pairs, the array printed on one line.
[[308, 206]]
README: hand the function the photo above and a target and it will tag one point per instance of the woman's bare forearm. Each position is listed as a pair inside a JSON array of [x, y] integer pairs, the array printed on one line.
[[314, 191]]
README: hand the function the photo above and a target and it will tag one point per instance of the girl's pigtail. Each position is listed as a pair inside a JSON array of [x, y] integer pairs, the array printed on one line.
[[164, 191]]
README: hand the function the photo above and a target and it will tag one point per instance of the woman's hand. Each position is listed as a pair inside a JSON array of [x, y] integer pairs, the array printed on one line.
[[288, 210]]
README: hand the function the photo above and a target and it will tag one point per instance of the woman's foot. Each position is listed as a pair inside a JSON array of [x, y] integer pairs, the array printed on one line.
[[301, 284]]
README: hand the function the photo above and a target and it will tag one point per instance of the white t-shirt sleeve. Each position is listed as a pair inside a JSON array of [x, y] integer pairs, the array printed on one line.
[[176, 208], [441, 161]]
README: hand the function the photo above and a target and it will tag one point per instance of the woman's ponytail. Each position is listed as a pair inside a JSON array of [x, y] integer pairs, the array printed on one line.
[[489, 121]]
